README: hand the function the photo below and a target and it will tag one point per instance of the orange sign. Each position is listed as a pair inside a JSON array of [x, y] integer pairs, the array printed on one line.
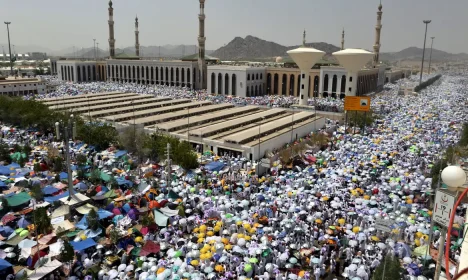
[[357, 103]]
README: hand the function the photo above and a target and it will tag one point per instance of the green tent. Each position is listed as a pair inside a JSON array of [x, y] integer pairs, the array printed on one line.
[[105, 177], [111, 194], [18, 199]]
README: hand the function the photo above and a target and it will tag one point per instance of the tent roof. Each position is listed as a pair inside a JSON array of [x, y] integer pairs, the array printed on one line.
[[86, 208], [42, 271], [81, 245], [149, 248], [15, 240], [66, 225], [76, 199], [18, 199], [61, 211]]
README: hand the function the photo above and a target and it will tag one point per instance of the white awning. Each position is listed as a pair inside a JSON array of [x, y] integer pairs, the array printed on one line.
[[42, 271], [83, 210]]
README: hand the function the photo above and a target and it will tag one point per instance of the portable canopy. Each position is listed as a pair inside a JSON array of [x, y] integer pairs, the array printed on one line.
[[120, 153], [85, 209], [48, 190], [18, 199], [76, 199], [149, 248], [109, 194], [103, 214], [65, 225], [46, 238], [44, 270], [5, 268], [105, 177], [52, 199], [63, 176], [82, 245], [214, 166], [123, 181], [15, 240], [61, 211], [5, 170]]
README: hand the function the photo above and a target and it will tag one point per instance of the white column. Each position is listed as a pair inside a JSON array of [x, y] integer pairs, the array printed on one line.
[[338, 87], [304, 96], [321, 83], [351, 86], [330, 84]]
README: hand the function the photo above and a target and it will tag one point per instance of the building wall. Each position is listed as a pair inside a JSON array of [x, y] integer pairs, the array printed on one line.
[[332, 81], [18, 87], [236, 80], [285, 81], [77, 71], [170, 73]]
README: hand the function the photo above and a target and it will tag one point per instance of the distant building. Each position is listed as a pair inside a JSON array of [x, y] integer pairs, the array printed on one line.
[[22, 86], [242, 81]]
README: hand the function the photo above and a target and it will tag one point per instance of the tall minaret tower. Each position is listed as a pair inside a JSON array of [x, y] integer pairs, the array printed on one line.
[[111, 31], [202, 73], [342, 40], [137, 38], [378, 28]]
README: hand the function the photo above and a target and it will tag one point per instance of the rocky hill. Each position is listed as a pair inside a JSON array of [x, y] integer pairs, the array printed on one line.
[[252, 47], [415, 53]]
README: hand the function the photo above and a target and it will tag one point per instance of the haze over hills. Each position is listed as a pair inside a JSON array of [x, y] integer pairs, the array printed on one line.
[[250, 47]]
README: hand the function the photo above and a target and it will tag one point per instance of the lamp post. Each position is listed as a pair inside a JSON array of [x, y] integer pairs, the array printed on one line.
[[455, 177], [9, 46], [426, 22], [94, 48], [65, 130], [430, 56]]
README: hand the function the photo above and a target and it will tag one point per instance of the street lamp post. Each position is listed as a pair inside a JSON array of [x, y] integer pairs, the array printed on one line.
[[65, 130], [455, 177], [426, 22], [94, 49], [430, 56], [9, 46]]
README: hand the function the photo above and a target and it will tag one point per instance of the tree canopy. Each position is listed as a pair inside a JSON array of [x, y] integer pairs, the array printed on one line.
[[389, 269]]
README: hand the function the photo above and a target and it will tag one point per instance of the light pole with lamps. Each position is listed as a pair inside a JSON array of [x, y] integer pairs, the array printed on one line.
[[455, 177], [426, 22], [9, 46], [430, 56], [65, 130]]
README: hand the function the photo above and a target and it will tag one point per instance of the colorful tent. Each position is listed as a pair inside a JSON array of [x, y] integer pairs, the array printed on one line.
[[149, 248], [81, 245], [18, 199]]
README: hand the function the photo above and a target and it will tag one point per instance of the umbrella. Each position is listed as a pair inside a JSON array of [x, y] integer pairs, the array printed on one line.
[[27, 243], [253, 260], [315, 260], [293, 260]]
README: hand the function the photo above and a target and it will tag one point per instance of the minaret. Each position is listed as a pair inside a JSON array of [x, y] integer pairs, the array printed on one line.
[[304, 38], [202, 78], [378, 28], [137, 38], [342, 40], [111, 31]]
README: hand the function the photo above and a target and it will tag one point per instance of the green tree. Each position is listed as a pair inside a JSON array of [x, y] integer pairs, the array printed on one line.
[[5, 153], [93, 219], [37, 167], [57, 164], [113, 183], [68, 253], [5, 206], [95, 176], [114, 235], [36, 192], [147, 220], [42, 220], [97, 134], [389, 269], [361, 119], [134, 140]]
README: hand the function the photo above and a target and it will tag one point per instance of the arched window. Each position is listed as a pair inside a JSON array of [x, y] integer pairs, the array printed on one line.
[[248, 92], [188, 75], [125, 72], [147, 77], [94, 72], [73, 74], [152, 74], [268, 83], [256, 90], [157, 75], [298, 85], [167, 76], [334, 83], [256, 76], [162, 75], [220, 83], [248, 77], [183, 76], [325, 83], [234, 84], [213, 83], [316, 85], [226, 84], [284, 83], [172, 76], [133, 73], [108, 72], [78, 72], [275, 84], [291, 84], [260, 90], [261, 76], [177, 76], [138, 77]]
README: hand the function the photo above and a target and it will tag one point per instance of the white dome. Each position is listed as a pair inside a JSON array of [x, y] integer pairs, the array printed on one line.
[[453, 176], [279, 59]]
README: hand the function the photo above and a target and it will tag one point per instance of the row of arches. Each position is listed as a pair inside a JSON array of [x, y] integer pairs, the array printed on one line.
[[290, 84], [367, 84], [226, 84], [254, 76], [169, 76], [82, 73]]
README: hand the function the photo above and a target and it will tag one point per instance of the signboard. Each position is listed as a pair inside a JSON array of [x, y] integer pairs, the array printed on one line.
[[357, 103], [57, 220], [384, 225], [443, 206]]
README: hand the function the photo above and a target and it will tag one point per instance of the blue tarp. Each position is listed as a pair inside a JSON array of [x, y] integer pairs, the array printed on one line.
[[51, 199], [82, 245], [4, 266], [3, 185], [63, 176], [83, 223], [5, 170], [81, 186], [120, 153], [48, 190], [214, 166], [103, 214], [13, 165], [122, 181]]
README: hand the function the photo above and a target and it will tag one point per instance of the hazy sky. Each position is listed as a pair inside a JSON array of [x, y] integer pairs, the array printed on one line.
[[59, 24]]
